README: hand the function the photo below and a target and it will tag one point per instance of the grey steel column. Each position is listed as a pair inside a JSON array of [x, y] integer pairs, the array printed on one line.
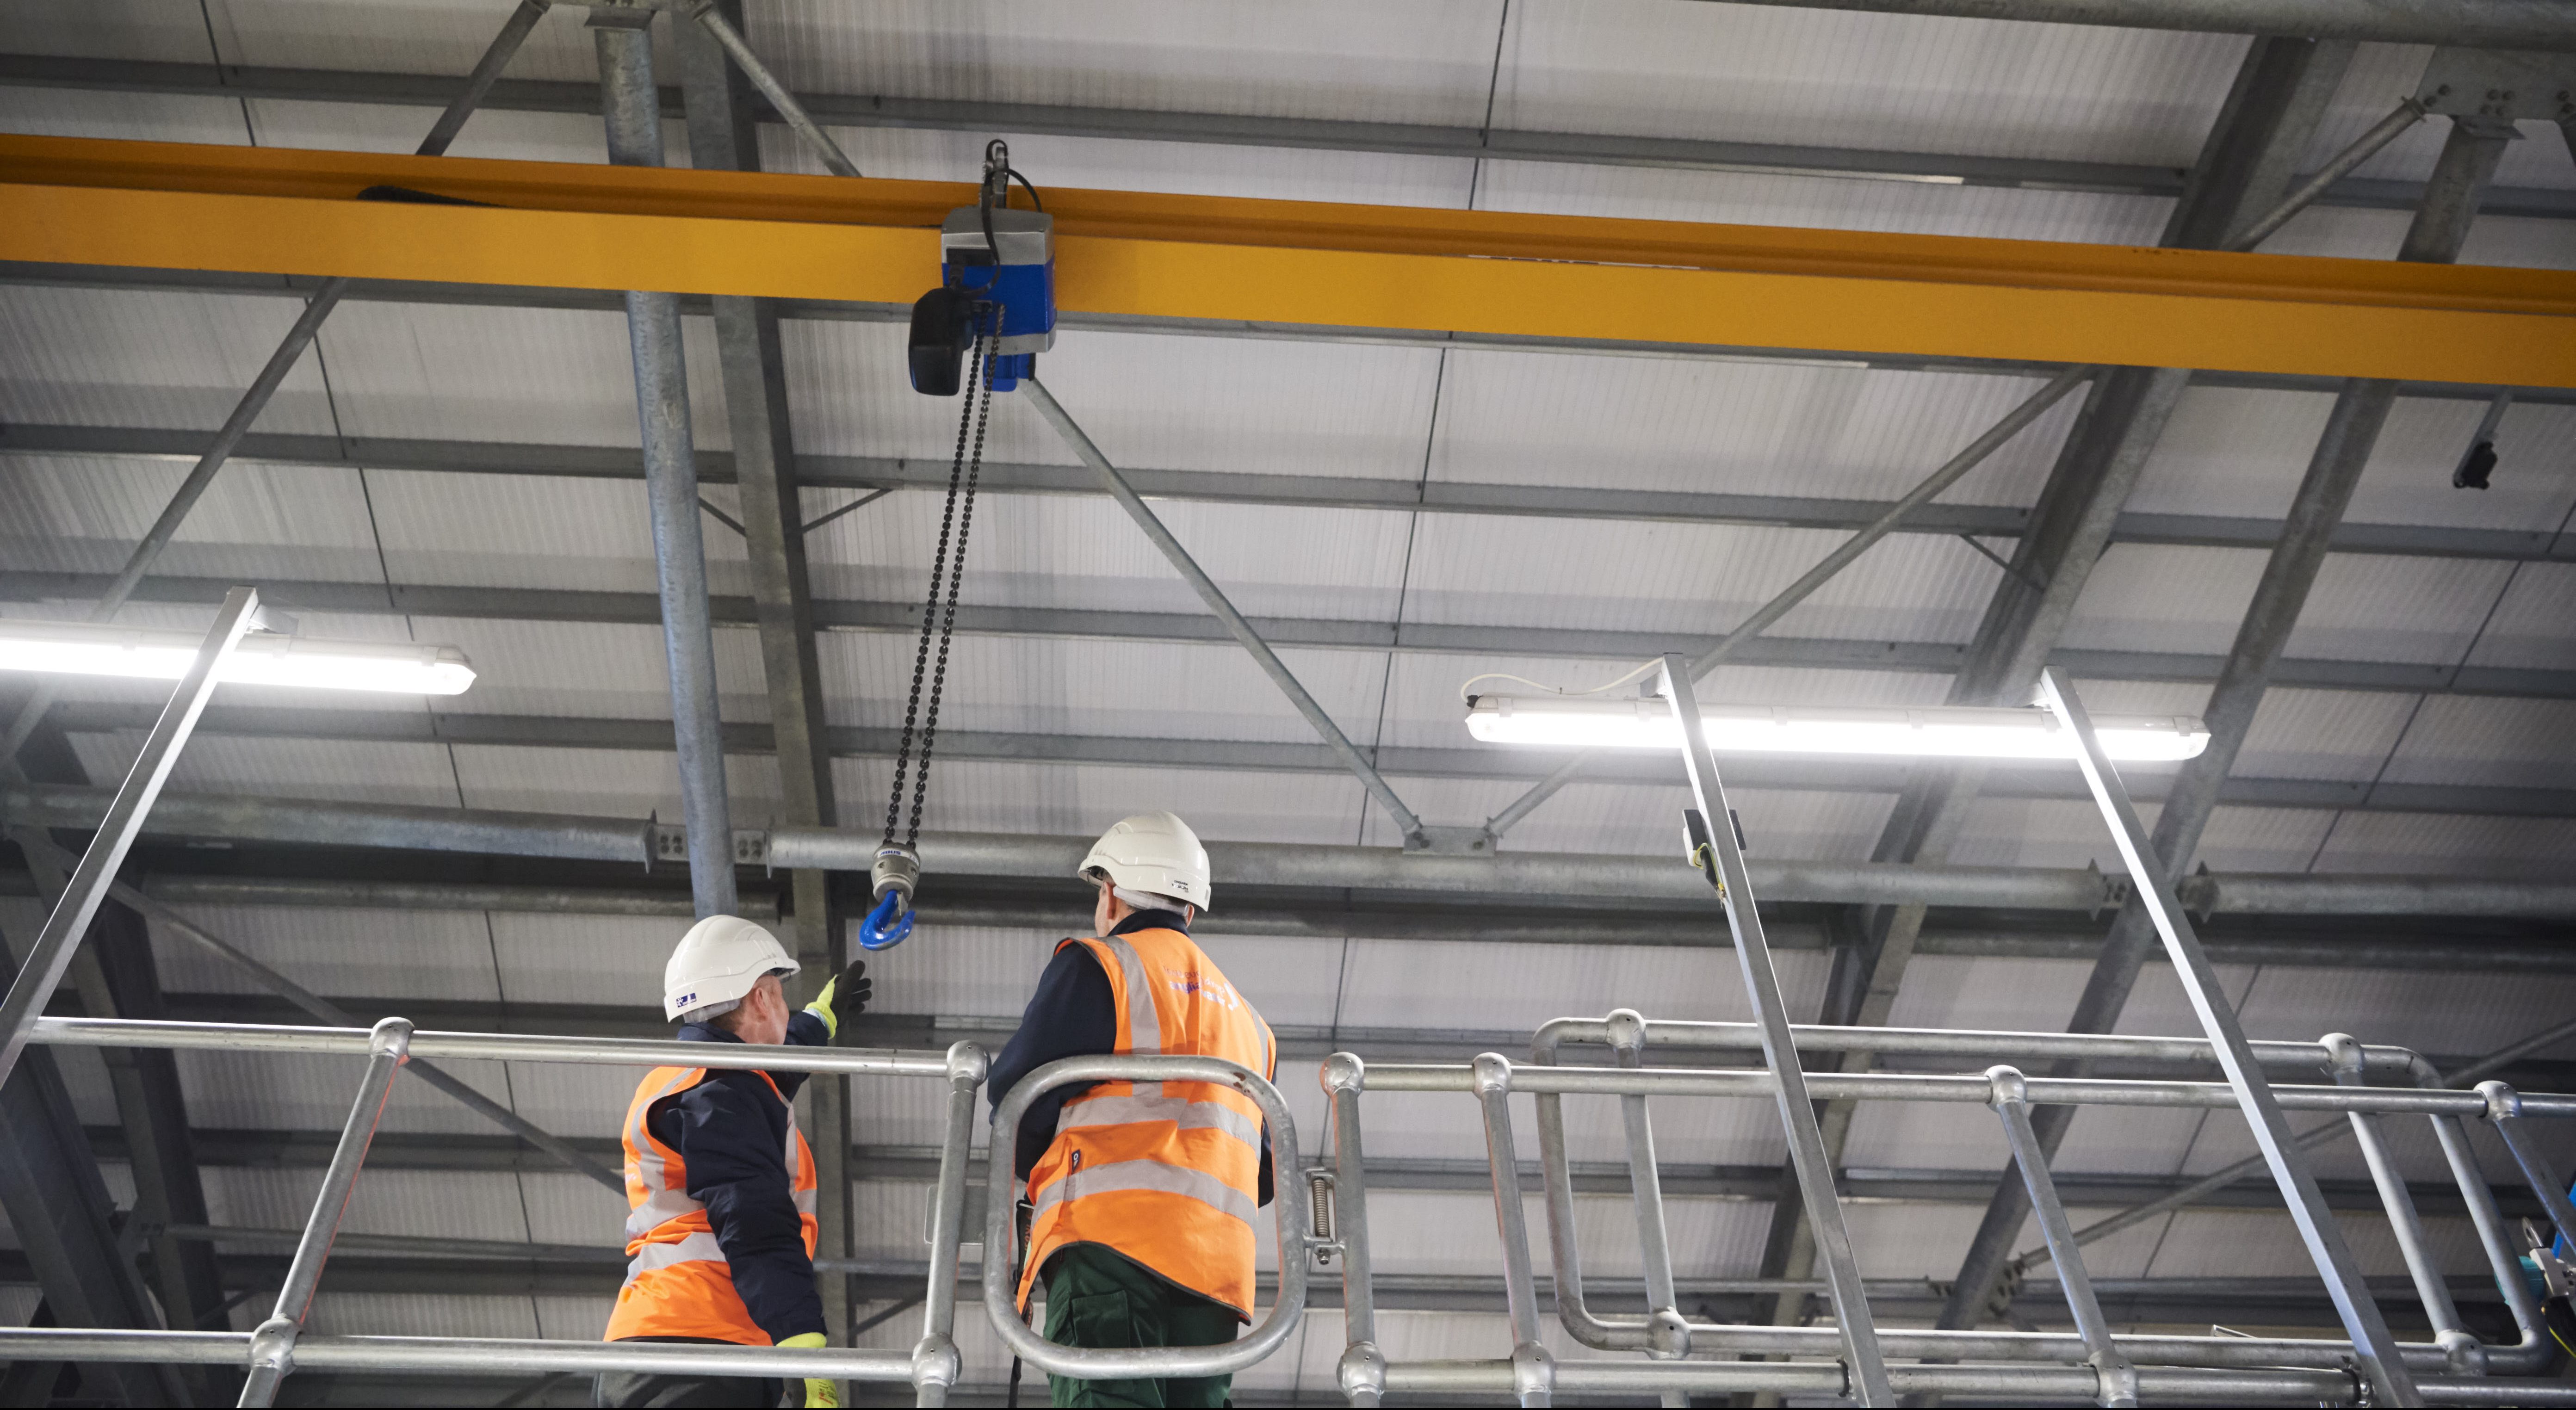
[[634, 120], [1815, 1170], [934, 1357], [2012, 1105], [1361, 1371], [1080, 443], [272, 1346], [2372, 1342], [290, 350], [82, 895], [749, 354]]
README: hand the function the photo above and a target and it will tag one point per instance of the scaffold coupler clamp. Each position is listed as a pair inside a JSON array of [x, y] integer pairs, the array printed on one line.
[[895, 874]]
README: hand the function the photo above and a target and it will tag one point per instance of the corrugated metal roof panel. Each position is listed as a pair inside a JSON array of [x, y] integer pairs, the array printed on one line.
[[2350, 232], [529, 531], [1731, 427], [495, 136], [1074, 799], [1864, 80], [1056, 686], [339, 770], [413, 1314], [441, 36], [849, 392], [1463, 985], [2221, 1243], [566, 959], [256, 523], [358, 954], [2238, 451], [1067, 552], [588, 669], [262, 1091], [1426, 63], [2498, 742], [1178, 168], [2365, 607], [114, 357], [624, 783], [132, 117], [548, 376], [2529, 625], [1696, 578], [1763, 198], [2448, 845]]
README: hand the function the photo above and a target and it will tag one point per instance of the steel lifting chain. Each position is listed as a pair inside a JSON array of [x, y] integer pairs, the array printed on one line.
[[898, 866]]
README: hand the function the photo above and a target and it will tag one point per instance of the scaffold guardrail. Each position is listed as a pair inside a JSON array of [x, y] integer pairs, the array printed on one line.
[[1677, 1352], [2094, 1364]]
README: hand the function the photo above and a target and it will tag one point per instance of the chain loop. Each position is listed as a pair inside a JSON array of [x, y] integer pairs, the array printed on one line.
[[964, 470]]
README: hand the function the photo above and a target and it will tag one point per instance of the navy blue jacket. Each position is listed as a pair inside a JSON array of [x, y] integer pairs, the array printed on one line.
[[731, 1132], [1073, 1014]]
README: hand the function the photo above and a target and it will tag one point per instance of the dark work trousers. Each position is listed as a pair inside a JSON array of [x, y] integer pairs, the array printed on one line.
[[642, 1390], [1096, 1297]]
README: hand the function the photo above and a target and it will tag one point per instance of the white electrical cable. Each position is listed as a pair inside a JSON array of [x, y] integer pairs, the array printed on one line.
[[1466, 694]]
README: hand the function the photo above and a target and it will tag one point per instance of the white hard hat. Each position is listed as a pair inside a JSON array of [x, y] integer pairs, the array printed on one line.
[[1155, 853], [719, 961]]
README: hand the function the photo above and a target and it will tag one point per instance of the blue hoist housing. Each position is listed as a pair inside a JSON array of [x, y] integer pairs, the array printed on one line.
[[997, 277]]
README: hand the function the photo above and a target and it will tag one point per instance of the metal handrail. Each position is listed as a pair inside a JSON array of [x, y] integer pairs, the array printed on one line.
[[1002, 1252], [2120, 1369], [277, 1348]]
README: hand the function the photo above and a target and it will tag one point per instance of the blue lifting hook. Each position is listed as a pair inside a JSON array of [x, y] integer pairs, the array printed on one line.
[[896, 872]]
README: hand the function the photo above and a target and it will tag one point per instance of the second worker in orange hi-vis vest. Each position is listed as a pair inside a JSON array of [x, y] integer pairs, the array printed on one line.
[[720, 1183], [1145, 1193]]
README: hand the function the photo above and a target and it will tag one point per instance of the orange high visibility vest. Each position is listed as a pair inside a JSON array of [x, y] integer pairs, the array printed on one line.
[[678, 1283], [1167, 1173]]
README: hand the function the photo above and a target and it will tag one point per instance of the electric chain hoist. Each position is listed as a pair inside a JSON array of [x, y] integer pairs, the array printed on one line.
[[982, 329]]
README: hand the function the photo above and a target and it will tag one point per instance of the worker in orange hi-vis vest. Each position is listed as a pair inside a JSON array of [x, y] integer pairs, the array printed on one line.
[[1144, 1192], [720, 1243]]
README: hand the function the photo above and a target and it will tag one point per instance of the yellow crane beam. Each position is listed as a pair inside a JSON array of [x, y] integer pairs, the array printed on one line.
[[564, 225]]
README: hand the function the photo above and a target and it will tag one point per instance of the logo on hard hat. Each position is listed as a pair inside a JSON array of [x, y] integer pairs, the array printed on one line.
[[684, 1000]]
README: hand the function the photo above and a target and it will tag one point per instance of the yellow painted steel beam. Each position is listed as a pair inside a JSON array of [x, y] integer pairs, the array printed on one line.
[[172, 206]]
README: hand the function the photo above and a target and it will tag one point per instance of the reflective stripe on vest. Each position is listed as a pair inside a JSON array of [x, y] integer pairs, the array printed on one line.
[[1167, 1173], [678, 1283]]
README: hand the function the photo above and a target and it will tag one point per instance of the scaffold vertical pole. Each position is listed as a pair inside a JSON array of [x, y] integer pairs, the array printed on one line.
[[2373, 1344], [1723, 864], [1667, 1332], [1362, 1370], [934, 1357], [2011, 1103], [272, 1346]]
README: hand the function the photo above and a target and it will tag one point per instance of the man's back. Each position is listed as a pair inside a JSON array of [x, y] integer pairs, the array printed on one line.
[[1169, 1174]]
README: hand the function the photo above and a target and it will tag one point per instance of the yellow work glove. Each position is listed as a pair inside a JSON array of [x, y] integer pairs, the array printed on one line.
[[816, 1392], [845, 995]]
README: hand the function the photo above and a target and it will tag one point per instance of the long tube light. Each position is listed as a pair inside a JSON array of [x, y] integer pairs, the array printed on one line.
[[262, 658], [1950, 731]]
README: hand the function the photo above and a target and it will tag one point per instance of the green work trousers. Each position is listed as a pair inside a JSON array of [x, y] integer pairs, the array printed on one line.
[[1097, 1297]]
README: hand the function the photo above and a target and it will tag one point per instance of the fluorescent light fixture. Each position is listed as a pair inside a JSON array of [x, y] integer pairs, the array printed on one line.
[[1948, 731], [262, 658]]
